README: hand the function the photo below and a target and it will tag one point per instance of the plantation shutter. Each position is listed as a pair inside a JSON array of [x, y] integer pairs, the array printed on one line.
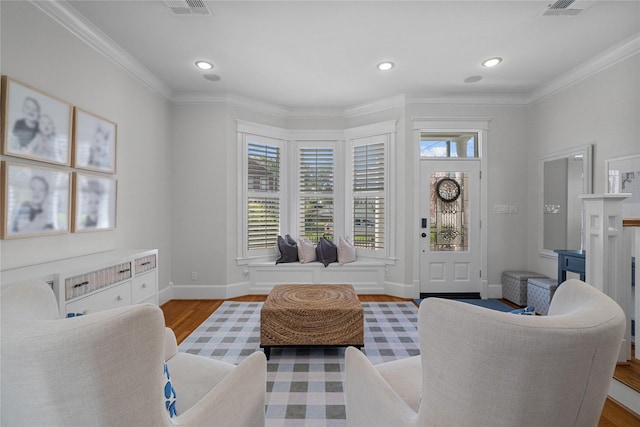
[[263, 204], [316, 182], [369, 195]]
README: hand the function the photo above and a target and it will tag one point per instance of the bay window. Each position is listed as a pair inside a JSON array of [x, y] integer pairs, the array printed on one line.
[[339, 186]]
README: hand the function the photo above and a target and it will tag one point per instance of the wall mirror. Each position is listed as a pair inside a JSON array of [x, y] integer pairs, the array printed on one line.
[[564, 176]]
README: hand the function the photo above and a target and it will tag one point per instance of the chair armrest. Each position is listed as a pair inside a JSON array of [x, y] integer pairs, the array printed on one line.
[[170, 344], [113, 356], [238, 400], [370, 400]]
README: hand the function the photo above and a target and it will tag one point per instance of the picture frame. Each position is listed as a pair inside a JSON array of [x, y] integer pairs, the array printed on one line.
[[94, 202], [35, 200], [94, 141], [623, 176], [34, 125]]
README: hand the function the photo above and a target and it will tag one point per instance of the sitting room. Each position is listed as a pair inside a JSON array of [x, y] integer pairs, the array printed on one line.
[[299, 210]]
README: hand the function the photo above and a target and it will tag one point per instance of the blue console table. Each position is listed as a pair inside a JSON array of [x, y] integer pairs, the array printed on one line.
[[570, 260], [573, 261]]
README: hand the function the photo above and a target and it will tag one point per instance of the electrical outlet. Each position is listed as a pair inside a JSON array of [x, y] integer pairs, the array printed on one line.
[[194, 275], [500, 209]]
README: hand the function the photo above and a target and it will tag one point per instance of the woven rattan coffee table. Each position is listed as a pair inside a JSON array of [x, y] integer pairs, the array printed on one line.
[[311, 315]]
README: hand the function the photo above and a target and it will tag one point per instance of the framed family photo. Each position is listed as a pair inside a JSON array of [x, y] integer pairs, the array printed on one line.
[[35, 200], [35, 125], [95, 142], [94, 202]]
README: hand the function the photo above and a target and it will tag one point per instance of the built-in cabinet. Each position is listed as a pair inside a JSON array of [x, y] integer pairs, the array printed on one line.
[[96, 282]]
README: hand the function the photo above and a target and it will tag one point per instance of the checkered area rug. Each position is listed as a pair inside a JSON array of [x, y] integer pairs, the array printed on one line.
[[304, 385]]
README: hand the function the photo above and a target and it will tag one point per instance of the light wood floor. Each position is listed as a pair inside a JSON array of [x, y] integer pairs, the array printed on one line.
[[184, 316]]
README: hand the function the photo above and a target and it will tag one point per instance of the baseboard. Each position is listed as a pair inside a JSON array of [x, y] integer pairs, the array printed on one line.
[[625, 396], [165, 294], [184, 291], [400, 290], [210, 291], [451, 295], [359, 287], [494, 291]]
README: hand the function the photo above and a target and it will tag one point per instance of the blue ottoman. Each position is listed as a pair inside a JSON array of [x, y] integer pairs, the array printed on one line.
[[539, 293], [514, 285]]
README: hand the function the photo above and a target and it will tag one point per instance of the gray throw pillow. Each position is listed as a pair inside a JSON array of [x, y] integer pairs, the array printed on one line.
[[288, 250], [326, 251]]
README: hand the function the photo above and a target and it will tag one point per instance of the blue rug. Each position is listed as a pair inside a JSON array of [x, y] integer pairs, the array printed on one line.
[[492, 304]]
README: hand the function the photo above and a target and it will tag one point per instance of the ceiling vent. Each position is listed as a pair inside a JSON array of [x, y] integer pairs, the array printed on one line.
[[567, 7], [187, 7]]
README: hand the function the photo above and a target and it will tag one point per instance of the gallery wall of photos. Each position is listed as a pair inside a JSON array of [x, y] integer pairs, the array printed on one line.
[[58, 167]]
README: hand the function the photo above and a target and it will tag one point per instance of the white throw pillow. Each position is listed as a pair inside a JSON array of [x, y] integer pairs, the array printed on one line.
[[306, 251], [346, 251]]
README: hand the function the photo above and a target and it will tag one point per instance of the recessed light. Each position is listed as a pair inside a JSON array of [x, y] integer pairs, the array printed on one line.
[[385, 66], [204, 65], [491, 62], [212, 77], [473, 79]]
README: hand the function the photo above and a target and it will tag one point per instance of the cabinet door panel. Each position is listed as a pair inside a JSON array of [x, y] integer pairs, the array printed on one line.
[[144, 286], [117, 296]]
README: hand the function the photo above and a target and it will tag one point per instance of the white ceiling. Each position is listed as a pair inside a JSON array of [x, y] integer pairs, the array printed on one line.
[[323, 54]]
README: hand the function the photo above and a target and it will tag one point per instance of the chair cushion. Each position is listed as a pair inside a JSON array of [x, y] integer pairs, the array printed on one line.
[[405, 378], [194, 376]]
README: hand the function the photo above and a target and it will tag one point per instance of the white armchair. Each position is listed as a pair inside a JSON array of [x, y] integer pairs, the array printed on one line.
[[479, 367], [106, 369]]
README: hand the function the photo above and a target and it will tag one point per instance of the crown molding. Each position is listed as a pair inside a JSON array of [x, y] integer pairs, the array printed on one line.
[[618, 53], [419, 123], [476, 99], [231, 100], [86, 31], [396, 101], [69, 18]]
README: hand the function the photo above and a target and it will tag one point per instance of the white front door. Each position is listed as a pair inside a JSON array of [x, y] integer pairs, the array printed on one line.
[[450, 226]]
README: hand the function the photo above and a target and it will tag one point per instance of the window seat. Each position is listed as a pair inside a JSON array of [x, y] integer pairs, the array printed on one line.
[[366, 275]]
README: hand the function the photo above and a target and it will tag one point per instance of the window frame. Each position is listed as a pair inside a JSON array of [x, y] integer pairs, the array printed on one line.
[[298, 194], [262, 134], [373, 134], [291, 141]]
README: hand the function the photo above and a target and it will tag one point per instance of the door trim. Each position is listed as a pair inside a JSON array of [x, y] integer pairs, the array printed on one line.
[[469, 124]]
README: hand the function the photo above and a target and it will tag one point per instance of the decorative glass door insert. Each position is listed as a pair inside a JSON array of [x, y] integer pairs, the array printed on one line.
[[449, 211]]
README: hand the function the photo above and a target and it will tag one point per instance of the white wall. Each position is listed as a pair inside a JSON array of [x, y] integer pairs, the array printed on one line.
[[177, 163], [38, 51], [603, 110], [201, 126], [200, 186], [506, 175]]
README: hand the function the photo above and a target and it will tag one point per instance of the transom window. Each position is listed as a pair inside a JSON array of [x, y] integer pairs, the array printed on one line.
[[459, 144]]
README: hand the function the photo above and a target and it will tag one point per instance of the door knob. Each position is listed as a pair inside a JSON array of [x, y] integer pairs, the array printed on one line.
[[424, 234]]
